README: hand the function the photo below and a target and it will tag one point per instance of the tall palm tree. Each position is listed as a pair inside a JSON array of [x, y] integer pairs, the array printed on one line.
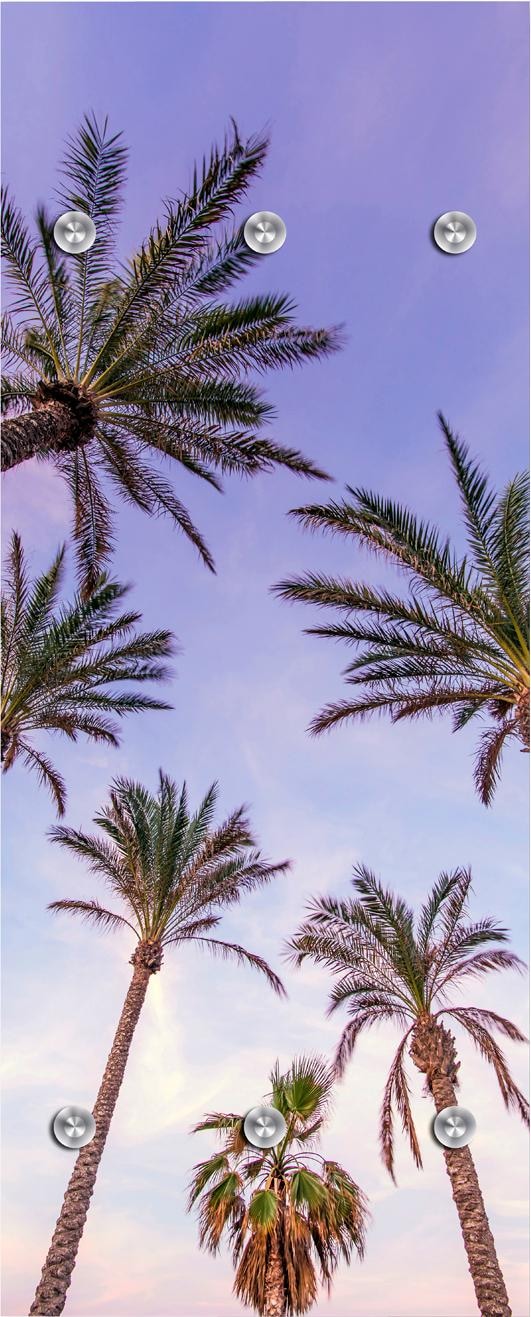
[[173, 873], [387, 968], [287, 1211], [459, 640], [60, 664], [115, 366]]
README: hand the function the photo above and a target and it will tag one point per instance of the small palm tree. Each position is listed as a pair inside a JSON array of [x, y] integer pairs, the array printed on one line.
[[386, 969], [60, 664], [115, 367], [174, 873], [288, 1212], [460, 639]]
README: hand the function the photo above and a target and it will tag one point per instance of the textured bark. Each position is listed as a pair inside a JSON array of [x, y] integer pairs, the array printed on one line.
[[522, 716], [10, 748], [275, 1286], [62, 420], [433, 1052], [50, 1295]]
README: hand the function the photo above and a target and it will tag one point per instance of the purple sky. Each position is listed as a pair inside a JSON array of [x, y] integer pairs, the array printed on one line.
[[382, 116]]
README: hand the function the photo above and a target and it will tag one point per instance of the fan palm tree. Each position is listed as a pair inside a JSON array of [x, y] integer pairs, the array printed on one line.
[[60, 664], [460, 639], [386, 968], [113, 367], [173, 873], [287, 1211]]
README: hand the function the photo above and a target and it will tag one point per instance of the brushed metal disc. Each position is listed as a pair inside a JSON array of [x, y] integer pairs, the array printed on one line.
[[74, 1127], [455, 232], [454, 1127], [264, 1127], [74, 232], [265, 232]]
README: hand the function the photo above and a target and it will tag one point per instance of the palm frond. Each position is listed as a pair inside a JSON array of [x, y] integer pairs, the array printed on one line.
[[475, 966], [204, 1172], [397, 1091], [93, 912], [164, 501], [59, 286], [458, 640], [48, 776], [174, 243], [431, 909], [348, 1040], [304, 1091], [16, 351], [510, 543], [62, 664], [477, 498], [487, 767], [232, 951], [20, 252], [92, 533], [219, 1121], [17, 394], [471, 1021], [93, 175]]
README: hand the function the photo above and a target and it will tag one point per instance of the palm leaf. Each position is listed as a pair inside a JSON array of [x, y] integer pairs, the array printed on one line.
[[397, 1091], [510, 541], [487, 767], [92, 532], [478, 500], [20, 253], [48, 775], [93, 912], [232, 951], [470, 1021], [263, 1209], [61, 664], [58, 283], [93, 173], [458, 640], [172, 244]]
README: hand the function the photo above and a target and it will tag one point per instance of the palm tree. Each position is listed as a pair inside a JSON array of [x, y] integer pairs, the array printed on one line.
[[60, 664], [114, 367], [387, 969], [174, 873], [288, 1212], [460, 639]]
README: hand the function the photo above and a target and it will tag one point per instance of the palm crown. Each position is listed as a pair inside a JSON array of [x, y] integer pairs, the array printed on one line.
[[460, 639], [387, 968], [116, 366], [288, 1212], [61, 663], [172, 871]]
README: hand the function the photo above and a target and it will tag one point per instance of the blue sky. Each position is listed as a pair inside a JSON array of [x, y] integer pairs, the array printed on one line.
[[382, 116]]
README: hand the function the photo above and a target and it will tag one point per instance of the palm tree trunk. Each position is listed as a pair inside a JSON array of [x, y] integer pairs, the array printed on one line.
[[56, 1275], [433, 1051], [53, 428], [522, 716], [275, 1285]]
